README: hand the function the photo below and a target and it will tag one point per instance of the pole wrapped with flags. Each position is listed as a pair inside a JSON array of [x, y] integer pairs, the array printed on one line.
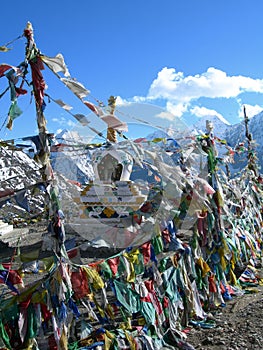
[[33, 58]]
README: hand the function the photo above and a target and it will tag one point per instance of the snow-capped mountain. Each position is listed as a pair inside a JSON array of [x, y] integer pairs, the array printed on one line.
[[220, 125], [23, 194], [236, 138], [233, 134], [20, 178], [158, 134], [71, 157], [21, 185]]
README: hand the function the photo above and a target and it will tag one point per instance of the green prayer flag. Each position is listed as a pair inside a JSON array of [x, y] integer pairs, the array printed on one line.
[[4, 335], [14, 112]]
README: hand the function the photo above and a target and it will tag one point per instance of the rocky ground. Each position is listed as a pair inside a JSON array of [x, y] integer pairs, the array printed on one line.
[[238, 325]]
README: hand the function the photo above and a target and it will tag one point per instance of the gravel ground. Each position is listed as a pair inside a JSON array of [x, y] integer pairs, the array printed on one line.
[[238, 325]]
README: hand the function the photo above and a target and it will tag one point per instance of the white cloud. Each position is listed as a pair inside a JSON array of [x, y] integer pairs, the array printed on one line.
[[139, 99], [121, 101], [213, 83], [251, 110], [62, 121], [177, 109]]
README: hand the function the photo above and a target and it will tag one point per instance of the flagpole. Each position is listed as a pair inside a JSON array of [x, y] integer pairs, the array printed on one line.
[[250, 151], [56, 216]]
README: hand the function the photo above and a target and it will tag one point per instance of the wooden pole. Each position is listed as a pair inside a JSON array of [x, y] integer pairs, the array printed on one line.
[[250, 152]]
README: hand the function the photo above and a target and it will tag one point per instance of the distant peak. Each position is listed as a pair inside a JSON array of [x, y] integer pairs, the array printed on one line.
[[61, 133], [67, 135], [222, 119], [216, 118]]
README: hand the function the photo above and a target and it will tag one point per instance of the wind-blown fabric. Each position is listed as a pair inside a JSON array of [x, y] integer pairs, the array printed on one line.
[[82, 119], [113, 122], [10, 277], [14, 110], [95, 109], [77, 88], [56, 64], [3, 68], [4, 49], [22, 200], [38, 80], [13, 113], [63, 105]]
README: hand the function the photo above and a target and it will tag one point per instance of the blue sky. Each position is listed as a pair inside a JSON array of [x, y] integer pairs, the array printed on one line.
[[188, 58]]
